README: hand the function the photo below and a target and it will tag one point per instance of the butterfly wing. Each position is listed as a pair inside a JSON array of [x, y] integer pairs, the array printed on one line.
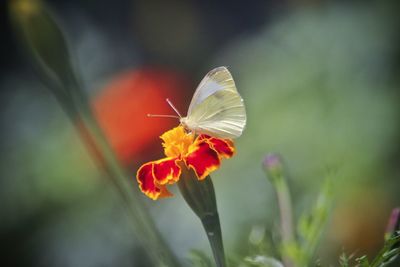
[[217, 109]]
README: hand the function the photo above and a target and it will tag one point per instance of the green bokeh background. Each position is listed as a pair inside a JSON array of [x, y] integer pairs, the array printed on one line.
[[320, 84]]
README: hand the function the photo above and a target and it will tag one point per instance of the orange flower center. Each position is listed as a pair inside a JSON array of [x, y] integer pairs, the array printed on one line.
[[176, 142]]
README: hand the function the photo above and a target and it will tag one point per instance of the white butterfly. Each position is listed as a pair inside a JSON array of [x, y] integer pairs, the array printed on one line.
[[216, 108]]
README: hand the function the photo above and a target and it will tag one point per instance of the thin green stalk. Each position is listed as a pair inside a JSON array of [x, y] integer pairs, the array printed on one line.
[[143, 224], [285, 209], [286, 215], [274, 169], [44, 44]]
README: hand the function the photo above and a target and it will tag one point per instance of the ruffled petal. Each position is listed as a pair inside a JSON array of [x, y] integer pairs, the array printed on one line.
[[224, 147], [202, 158], [203, 154], [147, 182], [166, 171]]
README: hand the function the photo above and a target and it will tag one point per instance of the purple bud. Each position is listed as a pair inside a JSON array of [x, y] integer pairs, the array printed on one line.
[[272, 164], [393, 224]]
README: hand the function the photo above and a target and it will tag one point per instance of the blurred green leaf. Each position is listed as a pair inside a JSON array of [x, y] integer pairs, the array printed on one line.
[[199, 259], [44, 43]]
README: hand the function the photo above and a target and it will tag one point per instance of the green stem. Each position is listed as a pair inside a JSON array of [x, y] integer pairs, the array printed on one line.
[[285, 212], [273, 167], [285, 208], [144, 227], [213, 230], [200, 196]]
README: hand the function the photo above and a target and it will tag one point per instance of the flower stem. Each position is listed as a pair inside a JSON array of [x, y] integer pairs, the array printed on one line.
[[212, 227], [144, 227], [200, 196], [273, 167], [46, 47], [285, 208]]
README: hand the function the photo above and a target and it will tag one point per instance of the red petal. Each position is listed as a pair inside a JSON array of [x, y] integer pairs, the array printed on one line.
[[166, 171], [145, 179], [224, 147], [203, 159], [147, 183]]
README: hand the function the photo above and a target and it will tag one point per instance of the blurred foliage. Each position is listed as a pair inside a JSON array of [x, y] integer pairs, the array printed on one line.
[[318, 89], [386, 256], [320, 86], [310, 227], [199, 259], [31, 18]]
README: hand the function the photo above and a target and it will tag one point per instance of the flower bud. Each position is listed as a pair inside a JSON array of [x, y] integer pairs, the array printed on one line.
[[43, 42], [273, 166], [393, 224]]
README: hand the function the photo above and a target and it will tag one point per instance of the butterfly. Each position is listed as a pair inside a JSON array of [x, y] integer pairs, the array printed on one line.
[[216, 109]]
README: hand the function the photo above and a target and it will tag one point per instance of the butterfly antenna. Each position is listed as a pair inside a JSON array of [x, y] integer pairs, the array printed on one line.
[[167, 116], [162, 116], [173, 107]]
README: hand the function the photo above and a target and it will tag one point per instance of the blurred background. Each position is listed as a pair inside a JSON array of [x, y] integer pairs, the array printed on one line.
[[320, 80]]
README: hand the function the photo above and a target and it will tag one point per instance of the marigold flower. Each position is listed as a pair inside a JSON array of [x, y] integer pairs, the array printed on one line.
[[201, 153]]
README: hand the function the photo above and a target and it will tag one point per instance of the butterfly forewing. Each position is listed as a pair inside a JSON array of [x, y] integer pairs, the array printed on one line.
[[215, 80], [217, 109]]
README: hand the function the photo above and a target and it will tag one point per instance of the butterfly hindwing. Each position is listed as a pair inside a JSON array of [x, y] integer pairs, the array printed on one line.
[[217, 109]]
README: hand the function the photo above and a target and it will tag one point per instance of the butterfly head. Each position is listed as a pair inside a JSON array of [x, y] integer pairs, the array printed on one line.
[[185, 123]]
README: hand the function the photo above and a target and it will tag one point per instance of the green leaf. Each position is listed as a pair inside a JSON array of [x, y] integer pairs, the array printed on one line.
[[310, 226]]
